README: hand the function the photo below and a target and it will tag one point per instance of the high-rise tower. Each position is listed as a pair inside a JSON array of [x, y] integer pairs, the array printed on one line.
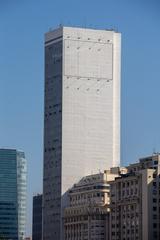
[[13, 194], [82, 113], [37, 218]]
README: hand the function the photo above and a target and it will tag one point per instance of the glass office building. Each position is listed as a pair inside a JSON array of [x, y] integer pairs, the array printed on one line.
[[13, 192]]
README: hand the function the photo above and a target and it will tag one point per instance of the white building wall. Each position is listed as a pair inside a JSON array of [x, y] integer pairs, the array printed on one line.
[[91, 103], [82, 113], [116, 98]]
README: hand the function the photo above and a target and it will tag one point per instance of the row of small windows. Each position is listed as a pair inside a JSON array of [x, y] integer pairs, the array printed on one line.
[[52, 113], [8, 185], [128, 231], [7, 208], [89, 188], [7, 204], [52, 149], [85, 196], [8, 218], [155, 184], [55, 61], [8, 228], [13, 235], [84, 217], [155, 200], [52, 77], [128, 192], [12, 223], [9, 213], [127, 184], [54, 105], [7, 171], [55, 46], [155, 192], [125, 208]]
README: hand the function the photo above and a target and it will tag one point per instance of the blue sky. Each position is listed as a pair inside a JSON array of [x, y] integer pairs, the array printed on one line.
[[22, 27]]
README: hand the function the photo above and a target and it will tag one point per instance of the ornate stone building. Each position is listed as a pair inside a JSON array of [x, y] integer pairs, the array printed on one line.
[[87, 217]]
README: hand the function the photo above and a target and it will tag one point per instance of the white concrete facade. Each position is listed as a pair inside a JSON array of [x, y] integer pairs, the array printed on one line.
[[82, 113]]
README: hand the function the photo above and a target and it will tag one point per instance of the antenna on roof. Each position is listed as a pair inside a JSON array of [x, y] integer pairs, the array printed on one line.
[[154, 150]]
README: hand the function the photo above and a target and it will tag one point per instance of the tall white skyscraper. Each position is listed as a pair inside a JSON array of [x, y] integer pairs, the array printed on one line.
[[82, 113]]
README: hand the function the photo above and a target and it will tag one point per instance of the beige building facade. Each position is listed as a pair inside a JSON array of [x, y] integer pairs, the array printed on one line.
[[87, 216], [119, 204], [134, 208]]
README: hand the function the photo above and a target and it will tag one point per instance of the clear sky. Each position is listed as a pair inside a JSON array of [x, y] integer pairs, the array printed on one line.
[[22, 27]]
